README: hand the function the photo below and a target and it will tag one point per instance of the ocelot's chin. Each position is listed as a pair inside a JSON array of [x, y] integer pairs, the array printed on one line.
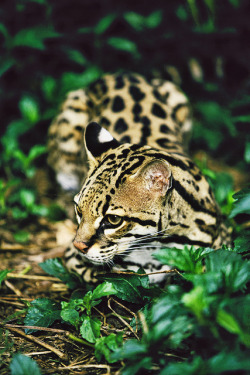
[[97, 257]]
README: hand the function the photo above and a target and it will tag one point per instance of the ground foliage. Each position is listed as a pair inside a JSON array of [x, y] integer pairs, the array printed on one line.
[[198, 323]]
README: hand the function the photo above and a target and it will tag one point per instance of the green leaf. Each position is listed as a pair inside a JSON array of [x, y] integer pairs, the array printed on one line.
[[29, 109], [23, 365], [242, 242], [129, 287], [242, 204], [154, 19], [27, 198], [196, 300], [77, 56], [22, 236], [14, 130], [238, 309], [39, 210], [36, 151], [230, 268], [227, 321], [106, 345], [72, 81], [104, 289], [5, 65], [71, 316], [228, 361], [136, 20], [3, 275], [54, 267], [188, 259], [49, 85], [193, 367], [35, 37], [104, 24], [247, 152], [123, 44], [90, 328], [18, 213], [42, 313], [4, 31], [139, 22], [56, 213]]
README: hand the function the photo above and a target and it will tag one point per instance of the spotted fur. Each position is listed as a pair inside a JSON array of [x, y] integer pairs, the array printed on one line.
[[142, 190]]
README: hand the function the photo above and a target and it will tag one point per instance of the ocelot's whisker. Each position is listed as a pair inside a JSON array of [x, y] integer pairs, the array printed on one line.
[[141, 248], [148, 236]]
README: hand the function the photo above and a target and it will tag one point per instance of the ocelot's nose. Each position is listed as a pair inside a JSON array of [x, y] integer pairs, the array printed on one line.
[[82, 246]]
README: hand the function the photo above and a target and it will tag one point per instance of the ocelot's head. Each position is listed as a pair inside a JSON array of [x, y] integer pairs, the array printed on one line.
[[122, 200]]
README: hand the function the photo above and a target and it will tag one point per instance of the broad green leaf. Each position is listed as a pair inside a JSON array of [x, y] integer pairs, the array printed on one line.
[[22, 236], [18, 213], [71, 316], [196, 300], [227, 321], [106, 345], [129, 287], [90, 328], [123, 45], [3, 30], [136, 20], [242, 243], [242, 204], [49, 85], [42, 313], [193, 367], [238, 309], [72, 81], [77, 56], [188, 259], [6, 64], [29, 109], [104, 23], [154, 19], [36, 151], [3, 275], [35, 37], [104, 289], [230, 268], [247, 152], [56, 212], [140, 22], [14, 130], [229, 361], [39, 210], [23, 365], [27, 198], [54, 267]]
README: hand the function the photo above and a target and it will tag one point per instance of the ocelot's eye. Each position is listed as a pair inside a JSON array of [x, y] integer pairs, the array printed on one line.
[[114, 220]]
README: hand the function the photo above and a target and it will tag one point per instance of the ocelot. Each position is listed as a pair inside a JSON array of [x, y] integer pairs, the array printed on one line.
[[142, 190]]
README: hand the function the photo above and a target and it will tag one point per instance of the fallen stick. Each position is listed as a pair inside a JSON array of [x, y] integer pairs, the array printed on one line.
[[36, 340]]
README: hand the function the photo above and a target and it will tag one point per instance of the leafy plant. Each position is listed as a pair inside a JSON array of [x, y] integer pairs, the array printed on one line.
[[203, 306], [23, 365]]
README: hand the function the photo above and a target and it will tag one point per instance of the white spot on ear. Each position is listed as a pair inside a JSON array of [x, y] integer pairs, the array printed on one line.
[[104, 136], [77, 198]]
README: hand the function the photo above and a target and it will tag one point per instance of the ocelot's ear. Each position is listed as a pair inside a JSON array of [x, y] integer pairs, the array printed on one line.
[[157, 177], [97, 141]]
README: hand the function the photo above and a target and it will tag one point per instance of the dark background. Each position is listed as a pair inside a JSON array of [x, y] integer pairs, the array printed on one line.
[[50, 47]]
